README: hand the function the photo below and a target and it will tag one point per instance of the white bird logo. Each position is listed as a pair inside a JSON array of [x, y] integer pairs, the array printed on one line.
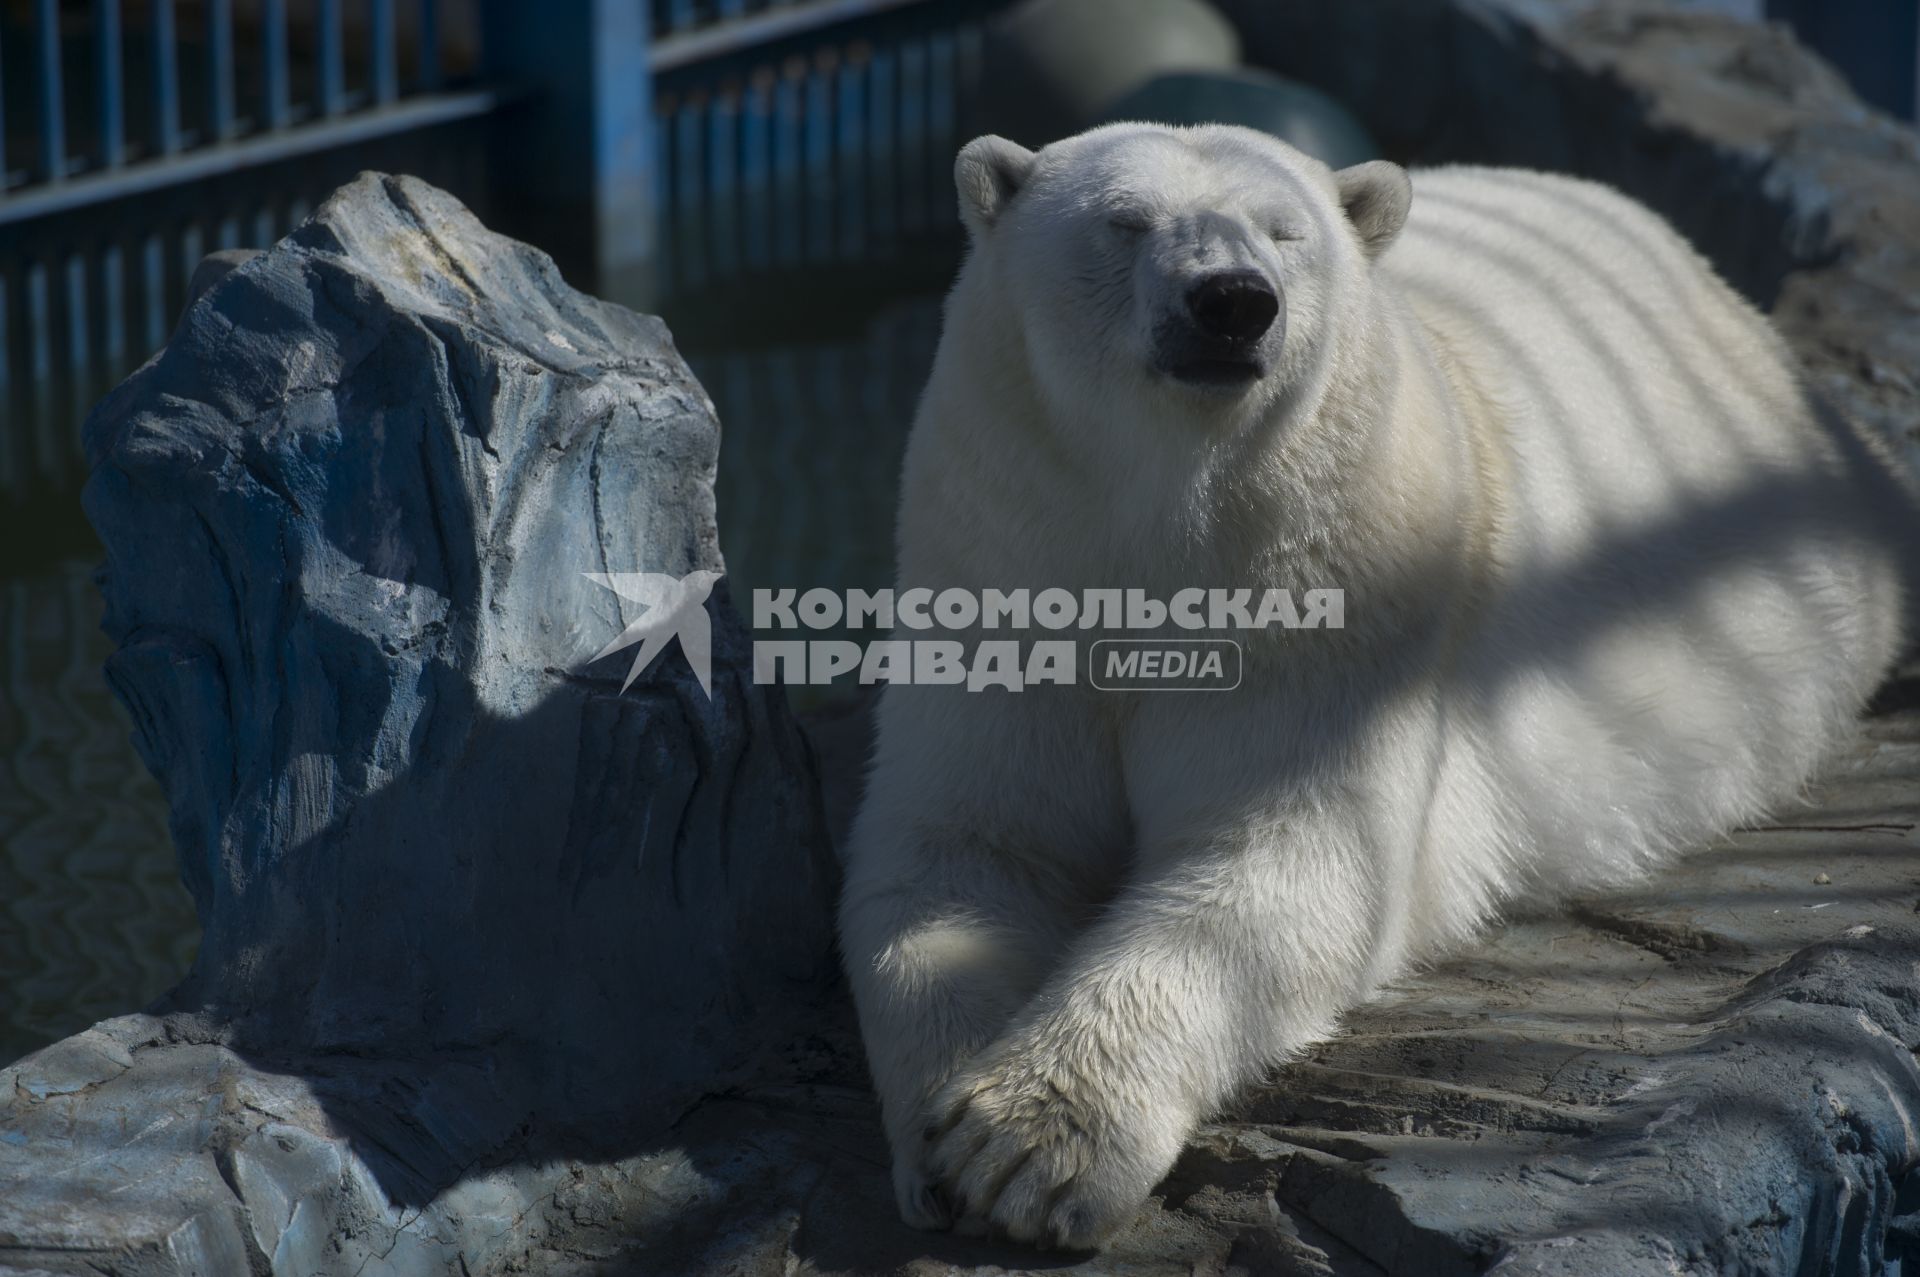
[[675, 606]]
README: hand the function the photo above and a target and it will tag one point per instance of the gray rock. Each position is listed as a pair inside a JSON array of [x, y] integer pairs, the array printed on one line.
[[464, 902], [349, 515]]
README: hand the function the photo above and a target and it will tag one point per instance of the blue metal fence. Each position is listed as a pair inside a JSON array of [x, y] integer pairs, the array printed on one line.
[[776, 155], [677, 154]]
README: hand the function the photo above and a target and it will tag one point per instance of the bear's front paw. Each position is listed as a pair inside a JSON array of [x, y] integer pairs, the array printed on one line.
[[1042, 1154]]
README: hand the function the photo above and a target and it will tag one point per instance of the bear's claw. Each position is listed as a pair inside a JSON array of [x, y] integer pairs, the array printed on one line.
[[923, 1204], [1023, 1157]]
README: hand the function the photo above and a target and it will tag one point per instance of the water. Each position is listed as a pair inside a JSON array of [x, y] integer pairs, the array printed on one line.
[[93, 919]]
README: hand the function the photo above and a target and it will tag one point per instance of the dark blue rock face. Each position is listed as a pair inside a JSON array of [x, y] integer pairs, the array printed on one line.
[[349, 514]]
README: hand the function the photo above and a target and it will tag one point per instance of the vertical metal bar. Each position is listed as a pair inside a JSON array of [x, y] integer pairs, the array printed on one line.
[[80, 361], [756, 170], [40, 334], [192, 247], [3, 134], [386, 64], [7, 287], [113, 114], [851, 111], [819, 163], [153, 295], [883, 146], [430, 45], [723, 184], [970, 57], [679, 14], [913, 136], [666, 226], [941, 123], [114, 320], [574, 167], [273, 38], [333, 75], [690, 237], [53, 110], [220, 91], [8, 474], [166, 80], [786, 166]]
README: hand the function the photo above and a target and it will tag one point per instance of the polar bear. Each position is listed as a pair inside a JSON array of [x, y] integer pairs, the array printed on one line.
[[1611, 587]]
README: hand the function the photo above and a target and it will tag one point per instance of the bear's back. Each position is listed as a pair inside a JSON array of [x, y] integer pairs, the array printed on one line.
[[1668, 564], [1630, 381]]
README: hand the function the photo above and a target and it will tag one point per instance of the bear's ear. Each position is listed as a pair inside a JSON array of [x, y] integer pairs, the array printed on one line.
[[988, 173], [1376, 196]]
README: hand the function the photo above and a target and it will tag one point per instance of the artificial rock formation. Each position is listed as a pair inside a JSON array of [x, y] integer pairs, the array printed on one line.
[[464, 901]]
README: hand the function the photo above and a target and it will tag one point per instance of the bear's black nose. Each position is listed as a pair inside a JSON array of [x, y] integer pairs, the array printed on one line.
[[1235, 306]]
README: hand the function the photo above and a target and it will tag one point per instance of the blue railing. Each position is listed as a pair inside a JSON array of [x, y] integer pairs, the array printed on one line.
[[775, 157], [666, 153]]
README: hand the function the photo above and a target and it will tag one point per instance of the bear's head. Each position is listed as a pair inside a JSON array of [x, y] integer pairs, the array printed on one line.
[[1204, 273]]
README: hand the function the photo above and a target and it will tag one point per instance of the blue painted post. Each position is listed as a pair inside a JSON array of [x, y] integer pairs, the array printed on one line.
[[166, 80], [6, 381], [113, 310], [80, 362], [723, 185], [882, 147], [153, 294], [943, 102], [220, 95], [819, 163], [386, 65], [665, 234], [53, 113], [113, 128], [273, 39], [789, 216], [3, 153], [850, 112], [333, 73], [756, 175], [40, 333], [574, 170], [689, 227], [913, 136], [429, 45]]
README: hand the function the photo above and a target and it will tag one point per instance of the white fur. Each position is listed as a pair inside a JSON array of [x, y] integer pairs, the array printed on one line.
[[1611, 589]]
